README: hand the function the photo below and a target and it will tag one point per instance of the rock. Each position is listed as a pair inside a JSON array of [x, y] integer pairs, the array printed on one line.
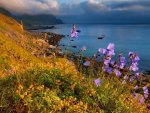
[[52, 47]]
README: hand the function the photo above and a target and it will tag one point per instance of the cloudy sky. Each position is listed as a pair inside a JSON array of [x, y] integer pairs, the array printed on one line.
[[85, 11]]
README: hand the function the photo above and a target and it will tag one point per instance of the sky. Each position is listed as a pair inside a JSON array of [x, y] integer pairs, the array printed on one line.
[[85, 11]]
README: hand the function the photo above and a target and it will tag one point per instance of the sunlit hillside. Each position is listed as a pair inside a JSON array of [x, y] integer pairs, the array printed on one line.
[[18, 47], [31, 82]]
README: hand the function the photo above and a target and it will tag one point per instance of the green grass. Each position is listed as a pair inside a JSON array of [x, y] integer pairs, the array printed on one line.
[[38, 90]]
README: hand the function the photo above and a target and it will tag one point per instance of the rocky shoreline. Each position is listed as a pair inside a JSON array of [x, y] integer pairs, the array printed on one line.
[[48, 41], [40, 27], [51, 38]]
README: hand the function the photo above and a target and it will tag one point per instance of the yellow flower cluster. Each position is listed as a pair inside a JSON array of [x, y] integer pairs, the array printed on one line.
[[129, 102]]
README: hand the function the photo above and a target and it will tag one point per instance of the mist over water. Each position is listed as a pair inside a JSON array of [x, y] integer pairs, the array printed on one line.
[[126, 38]]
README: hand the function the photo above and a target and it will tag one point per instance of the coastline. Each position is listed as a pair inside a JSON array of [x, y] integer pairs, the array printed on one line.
[[54, 39], [39, 27]]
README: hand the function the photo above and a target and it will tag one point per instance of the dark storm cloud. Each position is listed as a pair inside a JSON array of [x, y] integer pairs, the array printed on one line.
[[141, 4]]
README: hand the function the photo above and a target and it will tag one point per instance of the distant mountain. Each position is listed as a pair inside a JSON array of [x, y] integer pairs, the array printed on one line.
[[5, 12], [39, 19], [29, 20]]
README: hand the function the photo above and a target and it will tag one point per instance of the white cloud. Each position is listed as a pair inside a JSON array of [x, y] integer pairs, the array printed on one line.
[[30, 6], [72, 7]]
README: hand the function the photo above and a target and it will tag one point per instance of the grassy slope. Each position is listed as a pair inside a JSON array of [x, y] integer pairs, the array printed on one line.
[[17, 46], [39, 84]]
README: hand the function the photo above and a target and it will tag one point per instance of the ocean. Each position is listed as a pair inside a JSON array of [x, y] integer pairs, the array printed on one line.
[[135, 38]]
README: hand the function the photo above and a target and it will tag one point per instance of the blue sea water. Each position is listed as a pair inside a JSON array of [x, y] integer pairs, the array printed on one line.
[[126, 38]]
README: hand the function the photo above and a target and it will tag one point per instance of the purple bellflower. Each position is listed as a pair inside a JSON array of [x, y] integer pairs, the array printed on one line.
[[110, 53], [117, 72], [107, 69], [74, 34], [111, 46], [106, 62], [148, 107], [87, 63], [136, 87], [145, 89], [102, 51], [130, 53], [137, 75], [134, 67], [97, 82], [112, 62], [136, 59], [142, 100], [122, 59], [132, 78]]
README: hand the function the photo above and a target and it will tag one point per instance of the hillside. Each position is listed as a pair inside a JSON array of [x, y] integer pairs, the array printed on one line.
[[16, 45], [35, 83]]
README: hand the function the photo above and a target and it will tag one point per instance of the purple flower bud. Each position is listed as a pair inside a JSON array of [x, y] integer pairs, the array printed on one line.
[[108, 57], [97, 82], [131, 79], [87, 63], [145, 96], [137, 75], [133, 57], [106, 62], [130, 53], [136, 59], [122, 59], [136, 87], [122, 65], [111, 46], [148, 107], [110, 52], [107, 69], [100, 50], [112, 62], [145, 89], [116, 66], [117, 72], [74, 34], [142, 100]]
